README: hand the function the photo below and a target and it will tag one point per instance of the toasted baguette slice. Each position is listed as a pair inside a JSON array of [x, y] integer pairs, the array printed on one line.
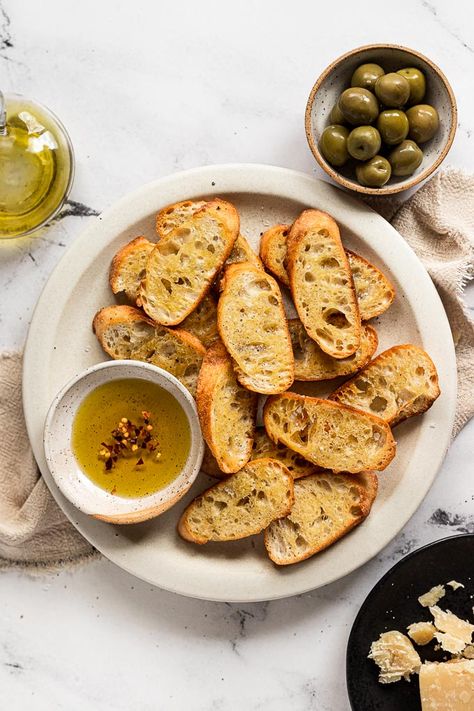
[[241, 505], [311, 363], [226, 410], [125, 332], [327, 506], [294, 462], [128, 267], [338, 438], [401, 382], [273, 251], [374, 291], [202, 322], [252, 324], [182, 266], [243, 252], [322, 285], [173, 216]]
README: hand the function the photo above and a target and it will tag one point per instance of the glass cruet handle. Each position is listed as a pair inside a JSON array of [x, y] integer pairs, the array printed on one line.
[[3, 116]]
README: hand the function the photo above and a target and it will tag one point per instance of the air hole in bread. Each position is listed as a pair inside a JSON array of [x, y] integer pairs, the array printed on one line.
[[420, 370], [262, 284], [356, 511], [273, 300], [191, 369], [309, 277], [323, 233], [329, 262], [211, 248], [336, 318], [301, 542], [261, 495], [361, 385], [220, 505], [167, 284], [169, 247], [378, 404]]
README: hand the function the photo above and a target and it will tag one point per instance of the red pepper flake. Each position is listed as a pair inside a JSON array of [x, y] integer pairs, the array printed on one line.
[[128, 439]]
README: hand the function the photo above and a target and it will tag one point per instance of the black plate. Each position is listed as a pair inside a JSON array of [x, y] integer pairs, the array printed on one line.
[[393, 605]]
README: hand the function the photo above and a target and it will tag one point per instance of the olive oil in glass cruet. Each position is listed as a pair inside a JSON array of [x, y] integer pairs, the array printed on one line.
[[36, 165]]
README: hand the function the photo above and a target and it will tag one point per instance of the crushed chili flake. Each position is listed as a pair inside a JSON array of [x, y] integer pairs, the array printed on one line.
[[129, 438]]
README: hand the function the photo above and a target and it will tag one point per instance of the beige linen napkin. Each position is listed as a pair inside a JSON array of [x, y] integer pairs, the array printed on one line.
[[437, 222]]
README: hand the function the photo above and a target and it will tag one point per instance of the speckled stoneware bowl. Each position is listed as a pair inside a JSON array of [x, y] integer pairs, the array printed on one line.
[[391, 57], [68, 475]]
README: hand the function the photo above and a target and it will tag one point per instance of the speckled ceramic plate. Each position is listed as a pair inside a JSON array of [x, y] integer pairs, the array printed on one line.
[[393, 605], [61, 344]]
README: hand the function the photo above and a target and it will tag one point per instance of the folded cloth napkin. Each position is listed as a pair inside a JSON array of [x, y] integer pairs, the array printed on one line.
[[437, 222]]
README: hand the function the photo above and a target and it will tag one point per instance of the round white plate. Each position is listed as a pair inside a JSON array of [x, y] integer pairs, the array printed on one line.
[[61, 344]]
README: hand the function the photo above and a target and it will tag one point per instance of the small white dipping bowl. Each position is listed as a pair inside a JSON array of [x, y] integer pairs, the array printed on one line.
[[72, 480]]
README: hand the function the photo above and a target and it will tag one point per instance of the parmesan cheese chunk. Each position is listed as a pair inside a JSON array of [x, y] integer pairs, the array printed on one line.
[[433, 596], [396, 657], [421, 632], [457, 632], [448, 686], [469, 651], [455, 585]]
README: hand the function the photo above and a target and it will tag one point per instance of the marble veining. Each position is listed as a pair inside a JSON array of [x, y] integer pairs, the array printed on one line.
[[165, 87]]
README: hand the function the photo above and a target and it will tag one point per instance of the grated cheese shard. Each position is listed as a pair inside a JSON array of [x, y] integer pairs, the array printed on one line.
[[457, 632], [448, 686], [433, 596], [421, 632], [395, 656], [455, 585]]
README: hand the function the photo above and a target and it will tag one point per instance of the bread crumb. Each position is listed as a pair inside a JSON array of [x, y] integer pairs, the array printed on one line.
[[433, 596]]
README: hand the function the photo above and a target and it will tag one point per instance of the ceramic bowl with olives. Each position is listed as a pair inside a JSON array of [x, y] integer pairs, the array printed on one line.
[[381, 119]]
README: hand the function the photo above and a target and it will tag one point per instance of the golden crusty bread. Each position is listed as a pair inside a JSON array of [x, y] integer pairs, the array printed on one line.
[[202, 322], [243, 504], [311, 363], [374, 291], [273, 251], [128, 267], [327, 506], [294, 462], [172, 216], [401, 382], [182, 266], [125, 332], [226, 410], [252, 324], [338, 438], [322, 285]]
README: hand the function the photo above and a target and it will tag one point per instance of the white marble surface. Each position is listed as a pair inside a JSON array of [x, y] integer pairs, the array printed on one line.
[[145, 89]]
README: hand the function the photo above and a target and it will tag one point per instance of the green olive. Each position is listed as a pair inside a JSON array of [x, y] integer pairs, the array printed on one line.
[[405, 158], [393, 126], [374, 173], [392, 90], [366, 75], [424, 122], [363, 142], [333, 145], [417, 82], [358, 106], [336, 117]]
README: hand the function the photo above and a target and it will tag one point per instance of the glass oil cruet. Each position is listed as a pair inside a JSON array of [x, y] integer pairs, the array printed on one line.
[[36, 165]]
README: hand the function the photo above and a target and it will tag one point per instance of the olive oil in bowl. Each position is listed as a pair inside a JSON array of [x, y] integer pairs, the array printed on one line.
[[131, 437]]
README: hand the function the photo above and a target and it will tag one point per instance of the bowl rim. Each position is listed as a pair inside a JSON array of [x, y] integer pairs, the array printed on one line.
[[387, 189], [141, 507]]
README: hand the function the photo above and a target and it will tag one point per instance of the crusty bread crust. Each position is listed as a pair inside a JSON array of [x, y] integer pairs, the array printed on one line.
[[311, 363], [242, 505], [399, 383], [125, 332], [128, 267], [327, 506], [273, 251], [343, 439], [183, 265], [322, 285], [226, 410], [253, 326]]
